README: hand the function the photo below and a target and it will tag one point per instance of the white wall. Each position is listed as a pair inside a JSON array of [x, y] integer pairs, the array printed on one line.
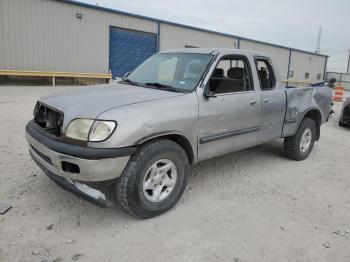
[[302, 63], [45, 35], [174, 37], [280, 56]]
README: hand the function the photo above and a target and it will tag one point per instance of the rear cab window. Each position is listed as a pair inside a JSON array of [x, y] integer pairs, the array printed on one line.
[[266, 73]]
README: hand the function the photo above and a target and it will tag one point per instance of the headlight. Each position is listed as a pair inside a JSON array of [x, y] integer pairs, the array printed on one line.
[[101, 130], [79, 129], [90, 130]]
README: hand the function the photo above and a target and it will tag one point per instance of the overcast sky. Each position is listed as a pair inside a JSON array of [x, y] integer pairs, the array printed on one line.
[[291, 23]]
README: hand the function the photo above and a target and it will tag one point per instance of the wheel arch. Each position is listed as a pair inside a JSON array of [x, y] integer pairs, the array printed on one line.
[[178, 138], [315, 115]]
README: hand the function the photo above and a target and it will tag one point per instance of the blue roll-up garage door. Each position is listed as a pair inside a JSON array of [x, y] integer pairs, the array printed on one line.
[[128, 49]]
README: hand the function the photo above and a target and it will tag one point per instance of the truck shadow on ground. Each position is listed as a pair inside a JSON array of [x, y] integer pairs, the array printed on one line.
[[237, 160]]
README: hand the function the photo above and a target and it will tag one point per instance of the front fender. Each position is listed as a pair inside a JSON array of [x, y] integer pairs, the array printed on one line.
[[143, 121]]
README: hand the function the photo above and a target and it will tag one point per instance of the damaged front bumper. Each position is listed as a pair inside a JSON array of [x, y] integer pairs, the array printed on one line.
[[67, 164], [88, 193]]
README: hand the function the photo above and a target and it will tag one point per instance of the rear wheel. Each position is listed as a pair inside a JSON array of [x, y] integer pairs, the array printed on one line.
[[154, 179], [299, 146]]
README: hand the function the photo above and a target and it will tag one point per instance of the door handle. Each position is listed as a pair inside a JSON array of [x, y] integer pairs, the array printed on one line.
[[267, 100], [253, 102]]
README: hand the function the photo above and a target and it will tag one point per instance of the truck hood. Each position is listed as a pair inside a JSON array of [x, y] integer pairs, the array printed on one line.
[[89, 102]]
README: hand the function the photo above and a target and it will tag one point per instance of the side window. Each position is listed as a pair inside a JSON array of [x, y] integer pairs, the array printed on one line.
[[266, 75], [307, 75], [319, 76], [232, 74], [291, 73]]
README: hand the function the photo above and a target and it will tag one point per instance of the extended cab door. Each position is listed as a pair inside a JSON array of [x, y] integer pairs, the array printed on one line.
[[273, 100], [229, 113]]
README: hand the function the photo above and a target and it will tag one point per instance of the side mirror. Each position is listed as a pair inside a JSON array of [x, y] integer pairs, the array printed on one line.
[[331, 82], [126, 75], [207, 93]]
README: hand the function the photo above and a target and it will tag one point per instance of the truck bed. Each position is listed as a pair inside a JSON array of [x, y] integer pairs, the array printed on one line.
[[301, 99]]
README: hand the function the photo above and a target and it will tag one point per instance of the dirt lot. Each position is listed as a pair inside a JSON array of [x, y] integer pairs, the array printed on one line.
[[253, 205]]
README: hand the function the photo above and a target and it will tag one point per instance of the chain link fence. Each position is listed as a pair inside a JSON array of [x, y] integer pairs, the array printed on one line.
[[342, 78]]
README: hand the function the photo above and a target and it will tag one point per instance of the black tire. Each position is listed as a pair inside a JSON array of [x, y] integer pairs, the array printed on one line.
[[129, 186], [292, 144], [341, 123]]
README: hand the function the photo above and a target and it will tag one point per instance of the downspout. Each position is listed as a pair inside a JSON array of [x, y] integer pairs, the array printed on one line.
[[289, 62], [158, 36], [238, 47], [325, 68]]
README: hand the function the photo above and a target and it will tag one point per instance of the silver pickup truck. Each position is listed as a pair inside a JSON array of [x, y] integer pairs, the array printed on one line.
[[176, 109]]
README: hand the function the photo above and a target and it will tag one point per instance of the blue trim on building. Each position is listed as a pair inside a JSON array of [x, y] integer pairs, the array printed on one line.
[[129, 48], [181, 25], [290, 60]]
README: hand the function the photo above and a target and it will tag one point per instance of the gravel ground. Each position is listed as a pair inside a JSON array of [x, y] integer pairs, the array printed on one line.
[[252, 205]]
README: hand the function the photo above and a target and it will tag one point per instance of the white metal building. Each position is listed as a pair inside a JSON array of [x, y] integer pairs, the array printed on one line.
[[69, 36]]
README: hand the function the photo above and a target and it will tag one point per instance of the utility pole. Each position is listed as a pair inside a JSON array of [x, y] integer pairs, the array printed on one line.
[[318, 45], [348, 70]]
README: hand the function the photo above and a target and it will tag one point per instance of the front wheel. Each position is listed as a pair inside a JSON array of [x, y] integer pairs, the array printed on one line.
[[299, 146], [154, 179]]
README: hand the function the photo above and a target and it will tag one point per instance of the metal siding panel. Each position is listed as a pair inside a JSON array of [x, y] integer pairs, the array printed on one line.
[[45, 35], [302, 63], [128, 49], [173, 37], [280, 56], [114, 11]]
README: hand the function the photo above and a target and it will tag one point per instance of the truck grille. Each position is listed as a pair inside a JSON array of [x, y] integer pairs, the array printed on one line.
[[48, 118]]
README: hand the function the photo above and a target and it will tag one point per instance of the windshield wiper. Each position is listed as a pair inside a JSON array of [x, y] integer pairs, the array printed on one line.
[[163, 86], [129, 82]]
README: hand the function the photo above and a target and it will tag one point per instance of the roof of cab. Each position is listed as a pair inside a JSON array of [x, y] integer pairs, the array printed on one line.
[[215, 50]]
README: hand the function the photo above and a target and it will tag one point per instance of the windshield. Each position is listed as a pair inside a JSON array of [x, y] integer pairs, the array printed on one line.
[[173, 71]]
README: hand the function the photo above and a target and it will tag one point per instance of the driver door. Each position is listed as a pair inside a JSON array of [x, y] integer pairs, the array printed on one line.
[[230, 119]]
